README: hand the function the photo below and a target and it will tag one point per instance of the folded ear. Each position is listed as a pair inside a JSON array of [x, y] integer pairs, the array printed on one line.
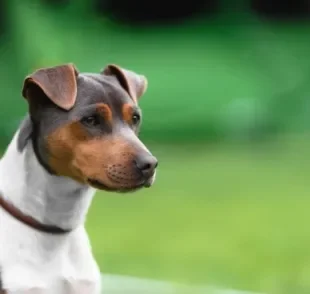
[[132, 82], [57, 83]]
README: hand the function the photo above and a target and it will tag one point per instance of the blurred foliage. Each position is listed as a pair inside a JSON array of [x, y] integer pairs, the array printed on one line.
[[230, 77]]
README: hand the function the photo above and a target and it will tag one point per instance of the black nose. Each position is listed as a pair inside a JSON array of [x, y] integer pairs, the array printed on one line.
[[146, 164]]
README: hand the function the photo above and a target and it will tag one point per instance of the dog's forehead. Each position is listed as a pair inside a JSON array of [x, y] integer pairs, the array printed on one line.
[[92, 89], [97, 88]]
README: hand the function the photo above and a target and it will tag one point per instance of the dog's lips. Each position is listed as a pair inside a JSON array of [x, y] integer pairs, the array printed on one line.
[[122, 187], [101, 186]]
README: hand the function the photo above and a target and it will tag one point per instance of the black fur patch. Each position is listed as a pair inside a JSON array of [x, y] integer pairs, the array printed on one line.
[[27, 131], [24, 133]]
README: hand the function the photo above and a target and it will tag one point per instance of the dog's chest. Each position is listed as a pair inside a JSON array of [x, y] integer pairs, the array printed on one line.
[[32, 262]]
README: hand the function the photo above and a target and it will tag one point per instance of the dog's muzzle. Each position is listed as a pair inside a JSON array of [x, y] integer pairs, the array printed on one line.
[[126, 177]]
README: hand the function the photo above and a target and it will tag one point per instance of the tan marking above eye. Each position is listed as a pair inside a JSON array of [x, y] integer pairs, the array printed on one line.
[[127, 112], [104, 110]]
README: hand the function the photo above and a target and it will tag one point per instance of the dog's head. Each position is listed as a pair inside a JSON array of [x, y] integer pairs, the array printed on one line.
[[85, 126]]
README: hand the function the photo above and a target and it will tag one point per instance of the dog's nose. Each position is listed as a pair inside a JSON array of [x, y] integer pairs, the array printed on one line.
[[146, 164]]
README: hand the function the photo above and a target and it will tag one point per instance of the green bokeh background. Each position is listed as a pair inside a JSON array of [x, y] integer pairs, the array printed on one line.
[[227, 112]]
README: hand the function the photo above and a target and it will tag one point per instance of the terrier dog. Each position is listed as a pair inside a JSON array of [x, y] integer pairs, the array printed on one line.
[[80, 134]]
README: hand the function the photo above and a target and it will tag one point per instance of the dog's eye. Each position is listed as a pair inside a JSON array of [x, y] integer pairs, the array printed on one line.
[[91, 120], [136, 118]]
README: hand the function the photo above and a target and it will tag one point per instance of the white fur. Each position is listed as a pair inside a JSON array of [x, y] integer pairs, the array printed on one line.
[[36, 262]]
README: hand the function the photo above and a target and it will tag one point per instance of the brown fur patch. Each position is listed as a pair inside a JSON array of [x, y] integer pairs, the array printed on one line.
[[127, 112], [61, 145], [109, 160], [104, 110]]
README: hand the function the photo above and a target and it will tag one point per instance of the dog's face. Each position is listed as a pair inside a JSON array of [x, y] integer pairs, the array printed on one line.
[[85, 126]]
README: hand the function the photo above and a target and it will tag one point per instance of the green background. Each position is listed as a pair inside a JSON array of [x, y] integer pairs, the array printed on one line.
[[227, 112]]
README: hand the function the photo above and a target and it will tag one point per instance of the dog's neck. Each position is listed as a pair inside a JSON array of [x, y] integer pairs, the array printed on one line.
[[51, 200]]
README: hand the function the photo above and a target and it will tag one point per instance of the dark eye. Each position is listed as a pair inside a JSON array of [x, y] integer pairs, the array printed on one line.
[[136, 118], [91, 120]]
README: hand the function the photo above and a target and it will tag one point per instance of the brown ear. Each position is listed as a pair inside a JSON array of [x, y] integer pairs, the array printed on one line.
[[133, 83], [58, 84]]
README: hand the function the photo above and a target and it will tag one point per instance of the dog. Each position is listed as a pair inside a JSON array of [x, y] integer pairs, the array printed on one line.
[[80, 135]]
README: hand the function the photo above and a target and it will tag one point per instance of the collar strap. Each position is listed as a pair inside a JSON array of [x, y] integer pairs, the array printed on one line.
[[30, 221]]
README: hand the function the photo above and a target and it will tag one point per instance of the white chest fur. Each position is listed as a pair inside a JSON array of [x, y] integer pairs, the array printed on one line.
[[36, 262], [47, 264]]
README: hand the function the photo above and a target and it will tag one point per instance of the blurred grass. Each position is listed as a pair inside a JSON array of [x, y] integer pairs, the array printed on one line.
[[235, 216]]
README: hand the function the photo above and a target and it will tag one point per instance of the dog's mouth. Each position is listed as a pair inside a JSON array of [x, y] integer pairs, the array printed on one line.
[[120, 188]]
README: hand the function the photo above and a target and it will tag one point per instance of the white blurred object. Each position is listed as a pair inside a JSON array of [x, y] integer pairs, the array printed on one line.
[[114, 284]]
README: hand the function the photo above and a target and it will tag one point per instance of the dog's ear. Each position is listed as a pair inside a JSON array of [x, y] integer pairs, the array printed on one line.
[[57, 83], [132, 82]]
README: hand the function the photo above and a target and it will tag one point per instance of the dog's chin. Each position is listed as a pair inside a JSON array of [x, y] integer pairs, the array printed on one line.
[[116, 188]]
